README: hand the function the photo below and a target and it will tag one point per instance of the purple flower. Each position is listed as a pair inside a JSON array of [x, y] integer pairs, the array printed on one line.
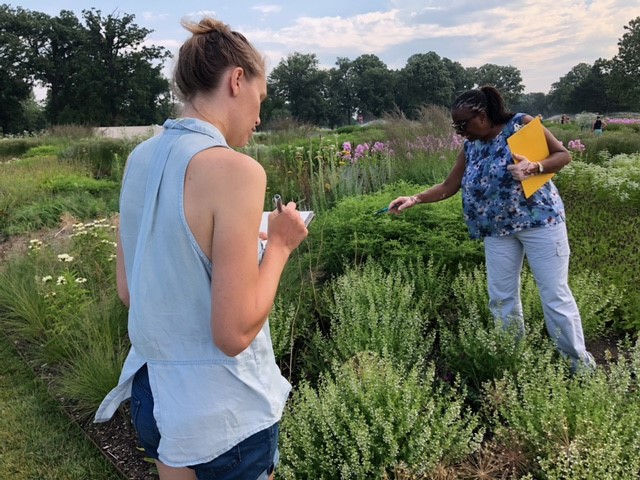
[[576, 145]]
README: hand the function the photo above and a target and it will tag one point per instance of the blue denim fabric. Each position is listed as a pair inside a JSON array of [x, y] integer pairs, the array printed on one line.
[[254, 458], [547, 251]]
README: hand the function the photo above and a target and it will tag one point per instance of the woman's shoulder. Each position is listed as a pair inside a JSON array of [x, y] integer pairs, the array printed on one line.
[[221, 160]]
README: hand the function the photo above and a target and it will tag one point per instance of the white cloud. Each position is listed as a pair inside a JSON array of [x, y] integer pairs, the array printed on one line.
[[153, 17], [201, 14], [366, 33], [267, 9]]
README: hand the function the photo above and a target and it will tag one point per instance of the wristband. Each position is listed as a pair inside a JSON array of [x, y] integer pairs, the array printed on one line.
[[540, 168]]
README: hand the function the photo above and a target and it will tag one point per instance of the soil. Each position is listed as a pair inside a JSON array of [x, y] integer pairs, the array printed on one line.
[[116, 439]]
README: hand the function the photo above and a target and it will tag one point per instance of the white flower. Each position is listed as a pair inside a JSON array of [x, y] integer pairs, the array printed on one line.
[[46, 279], [35, 244], [65, 257], [61, 281], [81, 280]]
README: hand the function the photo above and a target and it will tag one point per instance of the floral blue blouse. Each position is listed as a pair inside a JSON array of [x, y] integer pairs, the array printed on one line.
[[493, 202]]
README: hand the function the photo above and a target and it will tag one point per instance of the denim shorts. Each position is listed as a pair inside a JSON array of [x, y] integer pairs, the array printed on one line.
[[254, 458]]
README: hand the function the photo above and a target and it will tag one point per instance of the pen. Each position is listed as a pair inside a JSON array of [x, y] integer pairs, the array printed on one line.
[[277, 200], [385, 209]]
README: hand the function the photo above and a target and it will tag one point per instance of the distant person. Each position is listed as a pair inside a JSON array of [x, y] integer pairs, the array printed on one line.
[[206, 392], [598, 126], [512, 226]]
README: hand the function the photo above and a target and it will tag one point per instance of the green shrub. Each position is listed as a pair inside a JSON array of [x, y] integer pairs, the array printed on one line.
[[72, 183], [374, 311], [15, 147], [477, 349], [371, 417], [43, 151], [103, 157], [574, 427], [603, 211], [352, 233]]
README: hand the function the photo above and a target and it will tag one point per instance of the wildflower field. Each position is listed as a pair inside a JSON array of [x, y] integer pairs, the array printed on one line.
[[381, 323]]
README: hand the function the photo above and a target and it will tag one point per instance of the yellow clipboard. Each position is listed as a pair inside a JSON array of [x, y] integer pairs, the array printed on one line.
[[531, 142]]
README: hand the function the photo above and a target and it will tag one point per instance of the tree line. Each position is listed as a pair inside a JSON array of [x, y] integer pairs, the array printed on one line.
[[99, 71]]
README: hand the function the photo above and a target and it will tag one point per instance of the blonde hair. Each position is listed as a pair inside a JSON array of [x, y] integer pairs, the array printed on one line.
[[212, 49]]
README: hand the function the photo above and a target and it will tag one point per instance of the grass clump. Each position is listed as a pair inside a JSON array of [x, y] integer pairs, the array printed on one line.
[[33, 430]]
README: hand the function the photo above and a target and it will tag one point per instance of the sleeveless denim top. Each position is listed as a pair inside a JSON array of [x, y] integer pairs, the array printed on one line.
[[205, 401], [493, 202]]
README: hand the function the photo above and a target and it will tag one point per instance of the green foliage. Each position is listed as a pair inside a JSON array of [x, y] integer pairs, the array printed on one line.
[[36, 192], [47, 213], [603, 210], [43, 151], [72, 183], [598, 302], [574, 427], [104, 157], [95, 353], [65, 291], [370, 417], [15, 147], [477, 349], [374, 311], [351, 232], [622, 141], [38, 440], [22, 310]]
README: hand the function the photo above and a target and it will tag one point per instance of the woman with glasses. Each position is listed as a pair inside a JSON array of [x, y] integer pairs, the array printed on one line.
[[511, 225]]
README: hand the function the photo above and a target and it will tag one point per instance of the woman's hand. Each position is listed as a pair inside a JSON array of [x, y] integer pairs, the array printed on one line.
[[523, 169], [402, 203], [286, 228]]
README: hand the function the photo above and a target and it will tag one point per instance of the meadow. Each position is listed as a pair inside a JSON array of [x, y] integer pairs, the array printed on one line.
[[381, 323]]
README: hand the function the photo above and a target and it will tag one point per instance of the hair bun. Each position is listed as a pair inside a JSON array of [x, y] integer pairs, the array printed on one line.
[[205, 26]]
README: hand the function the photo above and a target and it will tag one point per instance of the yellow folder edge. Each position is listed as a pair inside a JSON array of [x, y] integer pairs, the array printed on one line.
[[531, 142]]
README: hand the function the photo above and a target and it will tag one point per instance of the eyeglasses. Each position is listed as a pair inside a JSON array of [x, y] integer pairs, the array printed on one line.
[[461, 126]]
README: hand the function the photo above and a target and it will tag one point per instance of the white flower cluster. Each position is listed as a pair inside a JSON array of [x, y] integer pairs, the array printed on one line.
[[89, 228], [65, 257], [35, 244]]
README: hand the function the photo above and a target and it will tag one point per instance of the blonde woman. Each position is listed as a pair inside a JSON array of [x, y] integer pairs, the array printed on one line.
[[206, 393]]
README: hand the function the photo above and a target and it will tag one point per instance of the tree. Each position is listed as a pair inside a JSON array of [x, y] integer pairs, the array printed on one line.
[[460, 76], [424, 80], [302, 86], [373, 85], [562, 93], [506, 79], [342, 98], [98, 74], [531, 103], [15, 79], [625, 67], [120, 84]]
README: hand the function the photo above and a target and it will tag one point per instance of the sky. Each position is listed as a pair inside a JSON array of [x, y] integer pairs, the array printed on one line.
[[544, 39]]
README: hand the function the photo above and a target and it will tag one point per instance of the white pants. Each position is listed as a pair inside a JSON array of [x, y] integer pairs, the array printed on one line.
[[547, 251]]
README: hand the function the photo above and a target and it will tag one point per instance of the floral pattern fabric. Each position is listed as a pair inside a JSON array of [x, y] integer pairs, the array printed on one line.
[[493, 202]]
